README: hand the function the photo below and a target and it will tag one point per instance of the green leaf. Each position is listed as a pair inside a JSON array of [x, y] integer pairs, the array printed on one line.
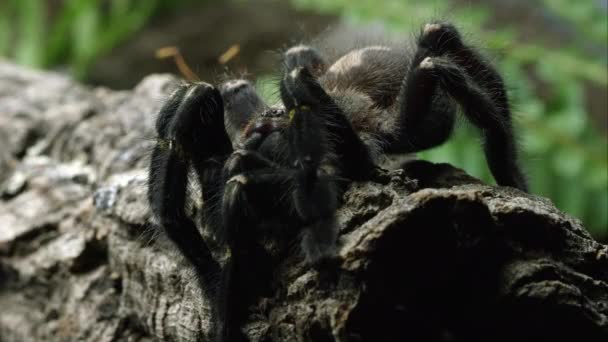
[[568, 162]]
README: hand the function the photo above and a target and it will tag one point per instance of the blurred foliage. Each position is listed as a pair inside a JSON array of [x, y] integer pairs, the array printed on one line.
[[589, 18], [564, 152], [42, 33]]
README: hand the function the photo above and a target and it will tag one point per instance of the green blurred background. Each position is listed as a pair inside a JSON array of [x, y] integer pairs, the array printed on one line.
[[553, 54]]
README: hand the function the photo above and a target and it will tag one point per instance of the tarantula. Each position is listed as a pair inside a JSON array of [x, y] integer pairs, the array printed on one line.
[[291, 161]]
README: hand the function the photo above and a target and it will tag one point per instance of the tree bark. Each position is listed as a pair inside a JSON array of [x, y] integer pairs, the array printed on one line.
[[433, 256]]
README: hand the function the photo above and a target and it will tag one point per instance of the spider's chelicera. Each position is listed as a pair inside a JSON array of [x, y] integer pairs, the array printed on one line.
[[292, 161]]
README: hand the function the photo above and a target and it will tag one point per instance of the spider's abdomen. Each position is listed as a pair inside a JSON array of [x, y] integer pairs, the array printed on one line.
[[369, 120], [376, 71], [365, 84]]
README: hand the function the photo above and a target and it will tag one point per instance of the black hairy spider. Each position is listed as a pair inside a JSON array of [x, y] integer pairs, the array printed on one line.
[[291, 161]]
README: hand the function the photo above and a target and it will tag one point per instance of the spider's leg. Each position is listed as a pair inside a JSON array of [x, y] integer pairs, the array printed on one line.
[[195, 128], [335, 135], [440, 39], [187, 133], [426, 115], [444, 40], [479, 107], [239, 162], [256, 187], [319, 132], [248, 197], [306, 57]]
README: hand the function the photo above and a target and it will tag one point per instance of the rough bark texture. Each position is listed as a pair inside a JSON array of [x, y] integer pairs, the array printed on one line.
[[444, 258]]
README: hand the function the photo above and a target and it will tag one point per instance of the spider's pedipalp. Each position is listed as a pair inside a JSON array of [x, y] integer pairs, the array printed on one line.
[[241, 104], [426, 63]]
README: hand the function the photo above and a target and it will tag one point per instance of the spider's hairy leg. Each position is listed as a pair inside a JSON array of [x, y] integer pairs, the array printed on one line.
[[315, 192], [306, 57], [482, 111], [299, 89], [323, 147], [483, 80], [249, 176], [239, 185], [426, 115], [246, 175], [187, 134]]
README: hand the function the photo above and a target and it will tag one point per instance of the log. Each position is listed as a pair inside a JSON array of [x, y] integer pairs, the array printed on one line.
[[435, 255]]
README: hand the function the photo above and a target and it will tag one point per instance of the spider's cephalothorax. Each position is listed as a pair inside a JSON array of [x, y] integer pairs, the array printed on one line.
[[291, 161]]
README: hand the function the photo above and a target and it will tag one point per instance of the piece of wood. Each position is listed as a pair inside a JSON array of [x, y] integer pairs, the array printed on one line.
[[455, 260]]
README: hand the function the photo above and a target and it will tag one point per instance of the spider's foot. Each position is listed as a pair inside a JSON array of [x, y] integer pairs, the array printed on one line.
[[307, 57], [327, 266], [430, 28], [307, 132], [200, 104], [191, 124], [180, 104], [440, 38], [319, 237], [328, 269], [197, 116], [380, 175], [450, 75], [397, 178], [318, 254], [427, 63], [300, 88]]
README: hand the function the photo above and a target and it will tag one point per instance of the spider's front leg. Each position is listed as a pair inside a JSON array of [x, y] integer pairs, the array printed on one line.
[[254, 191], [190, 130], [326, 152]]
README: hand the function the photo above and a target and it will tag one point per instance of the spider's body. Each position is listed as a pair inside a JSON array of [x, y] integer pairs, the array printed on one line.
[[291, 161]]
